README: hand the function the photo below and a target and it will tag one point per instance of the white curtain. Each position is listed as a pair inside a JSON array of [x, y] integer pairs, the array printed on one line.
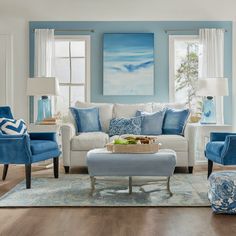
[[211, 61], [44, 53]]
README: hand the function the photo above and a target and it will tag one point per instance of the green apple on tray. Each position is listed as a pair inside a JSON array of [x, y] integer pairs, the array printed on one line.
[[134, 140]]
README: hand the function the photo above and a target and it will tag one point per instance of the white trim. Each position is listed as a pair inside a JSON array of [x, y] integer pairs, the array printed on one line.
[[234, 79], [172, 39], [9, 69], [87, 39], [88, 71]]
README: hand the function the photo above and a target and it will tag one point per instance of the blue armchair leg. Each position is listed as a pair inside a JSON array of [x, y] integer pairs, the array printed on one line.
[[28, 175], [56, 167], [210, 167], [5, 169]]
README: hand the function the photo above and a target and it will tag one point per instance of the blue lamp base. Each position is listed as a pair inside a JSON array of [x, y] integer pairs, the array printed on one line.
[[208, 111], [44, 108]]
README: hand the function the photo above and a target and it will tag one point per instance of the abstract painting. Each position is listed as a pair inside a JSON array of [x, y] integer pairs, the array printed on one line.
[[128, 64]]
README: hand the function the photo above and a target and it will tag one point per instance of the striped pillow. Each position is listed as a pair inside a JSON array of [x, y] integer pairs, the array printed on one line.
[[12, 127]]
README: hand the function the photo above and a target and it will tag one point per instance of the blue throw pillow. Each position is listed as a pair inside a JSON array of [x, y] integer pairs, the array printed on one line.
[[151, 122], [175, 121], [119, 126], [86, 119], [12, 127]]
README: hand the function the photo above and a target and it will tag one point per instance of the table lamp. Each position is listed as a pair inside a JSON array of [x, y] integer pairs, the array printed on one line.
[[44, 87], [209, 88]]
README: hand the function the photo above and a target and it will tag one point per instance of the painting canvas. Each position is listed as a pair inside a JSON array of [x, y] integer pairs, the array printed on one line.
[[128, 64]]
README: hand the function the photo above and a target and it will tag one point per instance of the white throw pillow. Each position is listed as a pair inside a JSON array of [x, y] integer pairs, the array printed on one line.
[[160, 106], [12, 126]]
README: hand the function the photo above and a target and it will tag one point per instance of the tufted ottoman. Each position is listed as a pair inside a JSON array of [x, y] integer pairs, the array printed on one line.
[[104, 163], [222, 192]]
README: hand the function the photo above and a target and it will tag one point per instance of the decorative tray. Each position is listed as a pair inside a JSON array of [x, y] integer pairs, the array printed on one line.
[[139, 145]]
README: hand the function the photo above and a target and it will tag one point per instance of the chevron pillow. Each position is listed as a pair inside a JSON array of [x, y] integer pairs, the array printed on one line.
[[12, 127]]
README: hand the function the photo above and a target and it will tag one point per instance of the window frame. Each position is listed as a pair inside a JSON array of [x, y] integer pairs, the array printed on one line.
[[172, 39], [87, 39]]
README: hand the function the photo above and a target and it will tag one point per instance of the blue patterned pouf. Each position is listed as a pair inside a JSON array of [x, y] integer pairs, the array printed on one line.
[[222, 192]]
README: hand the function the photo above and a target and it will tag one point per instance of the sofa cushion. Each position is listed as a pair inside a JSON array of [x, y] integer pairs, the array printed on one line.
[[105, 112], [151, 122], [175, 121], [160, 106], [129, 110], [41, 146], [176, 142], [88, 141]]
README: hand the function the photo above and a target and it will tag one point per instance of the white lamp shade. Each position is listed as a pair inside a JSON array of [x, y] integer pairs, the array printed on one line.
[[42, 86], [213, 87]]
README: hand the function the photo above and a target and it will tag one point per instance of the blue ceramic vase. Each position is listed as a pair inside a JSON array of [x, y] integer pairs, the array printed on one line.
[[44, 108], [209, 111]]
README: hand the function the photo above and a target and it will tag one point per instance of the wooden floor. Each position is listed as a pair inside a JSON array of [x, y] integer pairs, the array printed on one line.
[[108, 221]]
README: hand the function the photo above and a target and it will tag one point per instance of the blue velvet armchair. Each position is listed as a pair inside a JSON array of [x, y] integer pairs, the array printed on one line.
[[221, 149], [27, 149]]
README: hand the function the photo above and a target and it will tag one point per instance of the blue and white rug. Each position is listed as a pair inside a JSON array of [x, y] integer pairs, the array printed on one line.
[[74, 190]]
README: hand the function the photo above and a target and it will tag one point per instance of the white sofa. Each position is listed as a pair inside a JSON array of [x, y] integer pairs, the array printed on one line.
[[75, 146]]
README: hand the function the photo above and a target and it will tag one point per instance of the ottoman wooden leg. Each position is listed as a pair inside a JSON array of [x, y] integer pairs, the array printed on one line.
[[5, 169], [92, 179], [130, 185], [168, 186]]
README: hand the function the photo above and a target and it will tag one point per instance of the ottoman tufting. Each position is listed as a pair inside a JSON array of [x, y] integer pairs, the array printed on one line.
[[222, 192]]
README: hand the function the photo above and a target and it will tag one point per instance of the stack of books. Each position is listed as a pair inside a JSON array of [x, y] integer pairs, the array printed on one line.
[[48, 121]]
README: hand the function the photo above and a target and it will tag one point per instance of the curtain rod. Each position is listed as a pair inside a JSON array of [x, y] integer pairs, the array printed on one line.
[[73, 30], [184, 30]]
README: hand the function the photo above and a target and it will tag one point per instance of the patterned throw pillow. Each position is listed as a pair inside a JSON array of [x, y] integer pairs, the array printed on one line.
[[119, 126], [86, 119], [175, 121], [151, 122], [12, 127]]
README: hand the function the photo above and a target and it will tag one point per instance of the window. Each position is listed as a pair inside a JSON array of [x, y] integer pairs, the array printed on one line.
[[184, 52], [72, 70]]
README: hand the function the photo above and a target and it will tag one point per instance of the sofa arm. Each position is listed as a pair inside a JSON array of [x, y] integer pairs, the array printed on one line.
[[219, 136], [190, 135], [68, 132], [15, 149]]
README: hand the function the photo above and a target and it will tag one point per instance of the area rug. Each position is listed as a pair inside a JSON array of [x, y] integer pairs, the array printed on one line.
[[74, 190]]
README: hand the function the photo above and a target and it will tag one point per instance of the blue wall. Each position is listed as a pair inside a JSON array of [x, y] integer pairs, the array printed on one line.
[[161, 90]]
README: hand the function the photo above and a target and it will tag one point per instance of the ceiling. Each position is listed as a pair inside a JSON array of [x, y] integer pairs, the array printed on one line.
[[119, 9]]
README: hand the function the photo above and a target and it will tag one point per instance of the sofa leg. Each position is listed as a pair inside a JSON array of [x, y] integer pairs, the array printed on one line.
[[67, 169], [56, 167], [190, 169], [5, 169], [28, 175], [210, 167]]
